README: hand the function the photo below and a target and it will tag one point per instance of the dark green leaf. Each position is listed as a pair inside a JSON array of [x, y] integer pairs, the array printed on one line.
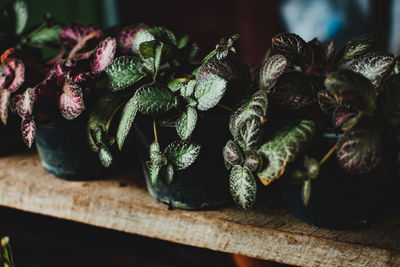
[[182, 154], [374, 66], [186, 122], [389, 99], [306, 192], [312, 167], [284, 145], [223, 48], [163, 35], [359, 150], [154, 171], [177, 83], [158, 55], [155, 98], [141, 36], [125, 124], [356, 48], [243, 187], [353, 89], [232, 154], [208, 91], [183, 42], [21, 15], [188, 89], [168, 174], [252, 160], [250, 133], [48, 35], [293, 47], [123, 72], [157, 158], [270, 71], [105, 156]]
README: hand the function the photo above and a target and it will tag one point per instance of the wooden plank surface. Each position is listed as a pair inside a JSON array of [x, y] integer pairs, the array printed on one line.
[[268, 232]]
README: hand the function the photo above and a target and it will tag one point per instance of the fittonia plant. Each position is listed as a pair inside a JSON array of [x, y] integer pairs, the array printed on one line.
[[6, 256], [158, 79], [306, 88]]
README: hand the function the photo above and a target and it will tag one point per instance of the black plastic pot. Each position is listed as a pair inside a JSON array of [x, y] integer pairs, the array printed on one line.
[[10, 136], [64, 152], [338, 200], [201, 186]]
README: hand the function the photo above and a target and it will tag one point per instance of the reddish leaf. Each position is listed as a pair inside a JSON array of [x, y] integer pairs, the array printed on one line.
[[18, 69], [125, 37], [342, 114], [104, 54], [28, 129], [4, 101], [24, 104], [74, 33], [327, 102], [71, 101]]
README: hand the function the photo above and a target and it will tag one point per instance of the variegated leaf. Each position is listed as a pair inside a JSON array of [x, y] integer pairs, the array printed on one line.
[[123, 72], [125, 37], [103, 54], [125, 124], [270, 71], [306, 192], [232, 154], [250, 134], [374, 66], [24, 104], [182, 154], [283, 146], [4, 102], [28, 130], [186, 122], [18, 69], [141, 36], [342, 114], [154, 172], [167, 173], [243, 187], [327, 102], [208, 91], [74, 33], [105, 156], [356, 48], [71, 100], [155, 98], [252, 160], [359, 150], [293, 47]]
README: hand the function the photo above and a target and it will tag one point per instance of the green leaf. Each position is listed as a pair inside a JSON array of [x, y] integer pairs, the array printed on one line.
[[154, 99], [164, 35], [105, 156], [293, 47], [243, 187], [183, 42], [125, 124], [306, 191], [389, 99], [223, 48], [186, 123], [374, 66], [48, 35], [154, 172], [232, 154], [327, 102], [283, 146], [141, 36], [182, 154], [256, 107], [21, 18], [312, 167], [158, 54], [188, 89], [208, 91], [359, 150], [6, 255], [157, 158], [177, 83], [356, 48], [168, 174], [270, 71], [353, 89], [123, 72], [250, 133]]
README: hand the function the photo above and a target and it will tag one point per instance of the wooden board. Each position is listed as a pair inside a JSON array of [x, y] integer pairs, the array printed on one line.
[[268, 232]]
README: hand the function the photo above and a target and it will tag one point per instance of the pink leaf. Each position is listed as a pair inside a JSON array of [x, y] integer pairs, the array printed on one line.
[[104, 54], [6, 76], [4, 101], [126, 35], [28, 129], [18, 68], [24, 104], [75, 33], [341, 115], [71, 101]]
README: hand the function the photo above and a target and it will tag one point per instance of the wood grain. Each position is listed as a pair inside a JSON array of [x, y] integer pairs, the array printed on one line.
[[268, 232]]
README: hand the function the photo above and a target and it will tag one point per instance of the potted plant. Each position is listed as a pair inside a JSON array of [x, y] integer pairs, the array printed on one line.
[[187, 105], [313, 102]]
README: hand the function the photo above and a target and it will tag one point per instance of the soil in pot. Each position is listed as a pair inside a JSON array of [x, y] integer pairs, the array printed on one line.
[[201, 186], [338, 200]]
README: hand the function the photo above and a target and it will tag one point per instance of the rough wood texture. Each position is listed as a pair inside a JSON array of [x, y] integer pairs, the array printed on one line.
[[268, 232]]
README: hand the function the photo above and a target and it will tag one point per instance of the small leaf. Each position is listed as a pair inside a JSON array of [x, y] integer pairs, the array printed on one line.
[[158, 56], [232, 154], [4, 103], [47, 35], [359, 150], [186, 122], [126, 35], [155, 98], [182, 154], [125, 124], [183, 42], [157, 158], [208, 91], [253, 160], [312, 167], [270, 71], [103, 54], [353, 89], [283, 146], [168, 174], [374, 66], [123, 72], [105, 156], [163, 34], [330, 49], [177, 83], [356, 48], [155, 147], [223, 48], [17, 66], [306, 191], [28, 130], [293, 47], [327, 102], [21, 15], [342, 114], [154, 172], [188, 89], [389, 99], [243, 187], [71, 100], [141, 36], [250, 134], [24, 104]]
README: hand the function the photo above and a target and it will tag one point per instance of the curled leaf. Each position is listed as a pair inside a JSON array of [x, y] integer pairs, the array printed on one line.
[[182, 154], [342, 114], [18, 69], [71, 100], [293, 47], [243, 187], [232, 154], [28, 130], [186, 122], [103, 54], [154, 98], [270, 71]]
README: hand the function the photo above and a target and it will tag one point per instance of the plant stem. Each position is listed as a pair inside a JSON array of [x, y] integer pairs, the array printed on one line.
[[225, 107], [155, 129], [326, 157], [82, 44]]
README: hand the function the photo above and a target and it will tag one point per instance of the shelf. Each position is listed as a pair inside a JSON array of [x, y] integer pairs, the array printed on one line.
[[268, 232]]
